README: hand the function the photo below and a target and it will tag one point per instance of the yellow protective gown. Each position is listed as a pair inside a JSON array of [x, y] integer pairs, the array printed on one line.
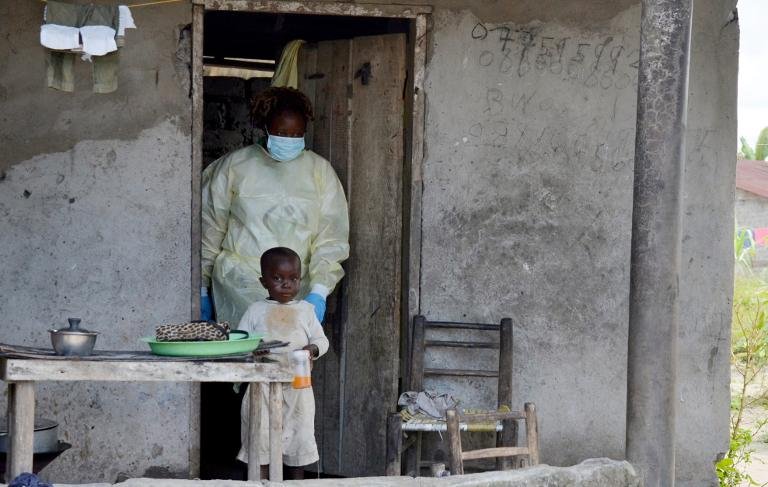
[[251, 203]]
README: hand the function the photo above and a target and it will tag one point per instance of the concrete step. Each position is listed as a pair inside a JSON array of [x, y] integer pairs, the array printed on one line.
[[599, 472]]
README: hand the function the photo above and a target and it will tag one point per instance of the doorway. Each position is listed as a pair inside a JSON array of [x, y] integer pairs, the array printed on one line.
[[363, 75]]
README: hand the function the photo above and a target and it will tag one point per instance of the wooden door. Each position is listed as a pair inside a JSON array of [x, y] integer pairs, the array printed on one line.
[[357, 86]]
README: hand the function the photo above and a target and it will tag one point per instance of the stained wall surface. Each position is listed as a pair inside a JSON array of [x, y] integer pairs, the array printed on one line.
[[95, 218], [526, 213], [528, 210]]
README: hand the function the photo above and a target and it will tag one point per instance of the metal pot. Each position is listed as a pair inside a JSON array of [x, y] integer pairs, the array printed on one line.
[[46, 436], [73, 340]]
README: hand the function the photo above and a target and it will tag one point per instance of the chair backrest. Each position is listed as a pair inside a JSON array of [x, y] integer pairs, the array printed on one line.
[[419, 345], [457, 456]]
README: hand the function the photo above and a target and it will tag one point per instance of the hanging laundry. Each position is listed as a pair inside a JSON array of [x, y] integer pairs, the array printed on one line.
[[125, 21], [94, 30], [287, 72], [99, 28], [60, 30]]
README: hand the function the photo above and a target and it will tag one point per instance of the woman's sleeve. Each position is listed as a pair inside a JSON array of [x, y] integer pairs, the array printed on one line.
[[216, 200], [247, 320], [330, 247]]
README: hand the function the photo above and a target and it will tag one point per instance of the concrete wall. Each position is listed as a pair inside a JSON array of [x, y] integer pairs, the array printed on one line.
[[527, 213], [706, 280], [527, 210], [94, 211]]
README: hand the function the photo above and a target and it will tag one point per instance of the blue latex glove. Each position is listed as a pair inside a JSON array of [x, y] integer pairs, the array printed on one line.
[[319, 303], [206, 305], [28, 480]]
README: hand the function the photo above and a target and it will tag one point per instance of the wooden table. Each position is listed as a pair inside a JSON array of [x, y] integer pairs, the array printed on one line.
[[22, 373]]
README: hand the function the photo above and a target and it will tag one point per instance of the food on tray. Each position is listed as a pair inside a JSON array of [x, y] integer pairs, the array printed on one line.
[[194, 331]]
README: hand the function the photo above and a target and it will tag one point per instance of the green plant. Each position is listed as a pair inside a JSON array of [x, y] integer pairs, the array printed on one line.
[[760, 151], [739, 455], [749, 359]]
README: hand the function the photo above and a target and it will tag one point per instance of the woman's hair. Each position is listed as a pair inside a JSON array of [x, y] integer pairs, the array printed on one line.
[[275, 100]]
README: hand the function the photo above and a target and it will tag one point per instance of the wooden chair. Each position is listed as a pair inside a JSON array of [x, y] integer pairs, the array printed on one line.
[[530, 452], [506, 431]]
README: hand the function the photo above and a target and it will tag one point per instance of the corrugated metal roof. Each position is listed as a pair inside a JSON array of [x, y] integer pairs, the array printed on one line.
[[752, 176]]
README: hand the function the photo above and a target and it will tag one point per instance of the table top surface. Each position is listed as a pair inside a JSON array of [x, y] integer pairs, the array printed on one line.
[[139, 370]]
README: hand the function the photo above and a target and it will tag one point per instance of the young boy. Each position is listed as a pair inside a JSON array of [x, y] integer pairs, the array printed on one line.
[[280, 317]]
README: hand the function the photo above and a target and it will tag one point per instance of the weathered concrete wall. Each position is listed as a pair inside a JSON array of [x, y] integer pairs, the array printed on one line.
[[94, 211], [528, 189], [706, 278], [527, 213]]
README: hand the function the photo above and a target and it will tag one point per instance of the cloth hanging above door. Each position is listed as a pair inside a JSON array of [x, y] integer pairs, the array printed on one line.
[[287, 71]]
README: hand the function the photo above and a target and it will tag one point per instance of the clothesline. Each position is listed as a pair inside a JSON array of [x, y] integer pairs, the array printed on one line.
[[145, 4]]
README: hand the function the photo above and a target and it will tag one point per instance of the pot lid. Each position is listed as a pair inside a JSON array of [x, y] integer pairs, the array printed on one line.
[[41, 424], [74, 328]]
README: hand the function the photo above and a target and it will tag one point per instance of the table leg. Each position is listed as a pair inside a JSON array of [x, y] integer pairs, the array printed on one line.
[[21, 428], [275, 431], [254, 468]]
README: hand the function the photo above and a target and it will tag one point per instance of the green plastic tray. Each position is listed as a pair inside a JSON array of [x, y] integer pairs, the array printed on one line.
[[237, 343]]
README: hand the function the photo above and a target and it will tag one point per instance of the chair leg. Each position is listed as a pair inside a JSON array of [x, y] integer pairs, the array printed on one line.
[[409, 456], [394, 444], [506, 437], [532, 433], [417, 447], [454, 442]]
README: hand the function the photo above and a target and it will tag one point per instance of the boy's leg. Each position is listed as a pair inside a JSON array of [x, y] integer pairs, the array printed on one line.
[[264, 472]]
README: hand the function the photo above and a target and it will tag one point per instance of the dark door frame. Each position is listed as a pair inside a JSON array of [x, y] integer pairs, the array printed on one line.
[[412, 170]]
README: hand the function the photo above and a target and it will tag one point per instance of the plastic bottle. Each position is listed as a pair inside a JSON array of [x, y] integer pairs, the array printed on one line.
[[302, 375]]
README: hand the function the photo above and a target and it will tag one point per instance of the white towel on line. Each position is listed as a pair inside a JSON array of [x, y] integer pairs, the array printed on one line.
[[97, 40], [125, 21], [55, 36]]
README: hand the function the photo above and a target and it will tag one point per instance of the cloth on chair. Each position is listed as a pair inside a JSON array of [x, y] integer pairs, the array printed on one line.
[[430, 403], [425, 411]]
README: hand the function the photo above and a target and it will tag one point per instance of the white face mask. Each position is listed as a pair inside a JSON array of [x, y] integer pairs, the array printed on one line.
[[284, 148]]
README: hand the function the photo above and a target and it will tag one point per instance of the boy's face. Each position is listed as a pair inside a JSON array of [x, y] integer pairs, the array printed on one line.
[[282, 278]]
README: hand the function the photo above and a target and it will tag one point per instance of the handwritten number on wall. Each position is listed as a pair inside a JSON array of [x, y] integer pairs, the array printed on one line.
[[520, 51]]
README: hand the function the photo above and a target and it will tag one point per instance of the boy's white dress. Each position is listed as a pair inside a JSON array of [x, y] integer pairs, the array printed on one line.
[[293, 322]]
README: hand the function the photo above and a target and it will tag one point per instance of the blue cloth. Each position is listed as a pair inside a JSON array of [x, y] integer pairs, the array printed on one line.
[[319, 303], [28, 480], [206, 308]]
